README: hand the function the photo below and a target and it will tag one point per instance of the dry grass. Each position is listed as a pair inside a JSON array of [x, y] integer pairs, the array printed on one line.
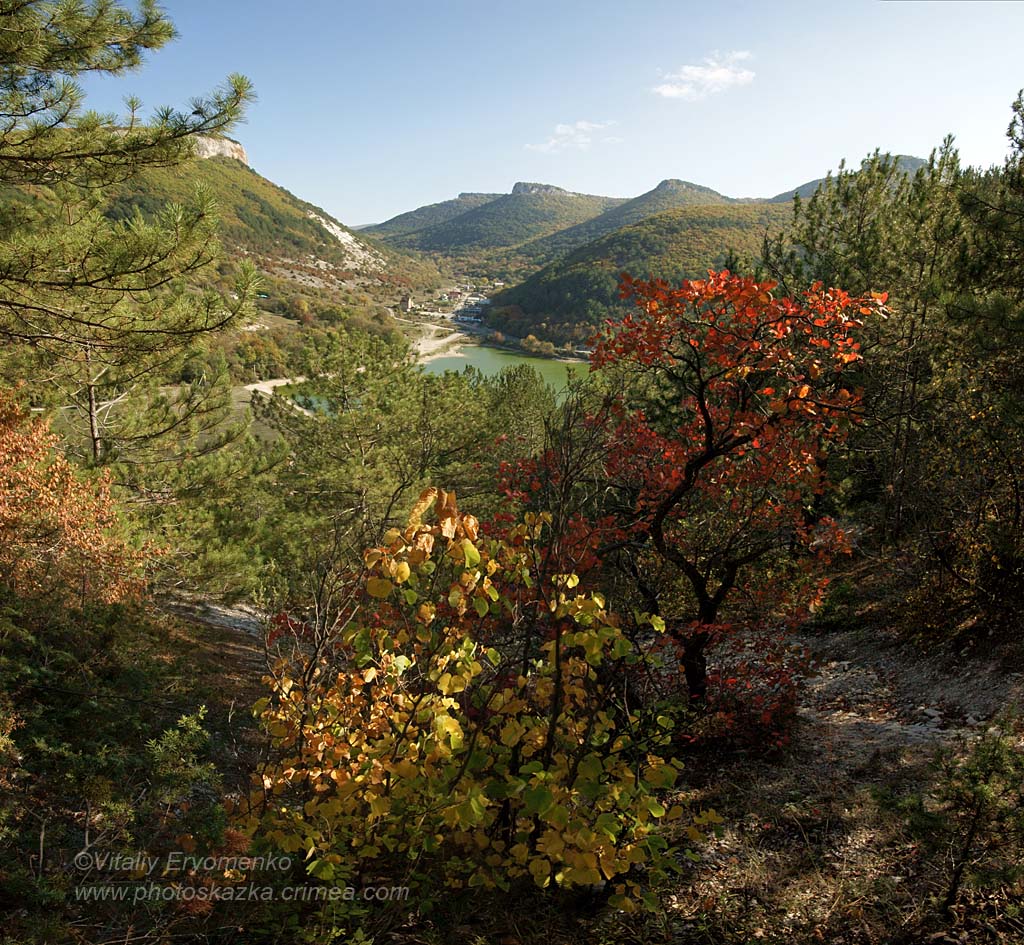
[[221, 668]]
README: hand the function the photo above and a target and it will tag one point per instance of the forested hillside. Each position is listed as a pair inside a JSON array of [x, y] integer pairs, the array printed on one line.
[[569, 299], [485, 239], [260, 219], [719, 645], [430, 215], [668, 195]]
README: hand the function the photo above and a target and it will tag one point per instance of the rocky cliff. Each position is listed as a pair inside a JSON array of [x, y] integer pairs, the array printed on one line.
[[221, 147], [526, 187]]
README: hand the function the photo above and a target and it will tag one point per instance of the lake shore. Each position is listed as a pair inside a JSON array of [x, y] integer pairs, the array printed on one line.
[[440, 341]]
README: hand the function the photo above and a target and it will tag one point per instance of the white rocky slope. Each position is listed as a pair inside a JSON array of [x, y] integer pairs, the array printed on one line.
[[359, 255]]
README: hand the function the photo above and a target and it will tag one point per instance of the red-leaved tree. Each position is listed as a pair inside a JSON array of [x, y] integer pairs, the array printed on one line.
[[725, 402]]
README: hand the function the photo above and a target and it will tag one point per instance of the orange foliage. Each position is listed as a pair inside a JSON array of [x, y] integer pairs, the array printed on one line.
[[58, 529]]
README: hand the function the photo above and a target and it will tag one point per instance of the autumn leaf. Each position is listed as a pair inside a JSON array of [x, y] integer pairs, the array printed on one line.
[[379, 587]]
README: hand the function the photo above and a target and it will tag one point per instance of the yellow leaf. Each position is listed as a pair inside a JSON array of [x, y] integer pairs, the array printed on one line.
[[379, 587], [426, 499], [511, 733], [405, 769], [470, 554], [446, 725]]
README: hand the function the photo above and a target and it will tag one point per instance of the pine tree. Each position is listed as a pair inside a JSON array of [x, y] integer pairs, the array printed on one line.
[[96, 310], [879, 228]]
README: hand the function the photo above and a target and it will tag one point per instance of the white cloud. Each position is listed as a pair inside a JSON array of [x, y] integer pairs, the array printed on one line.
[[717, 74], [580, 135]]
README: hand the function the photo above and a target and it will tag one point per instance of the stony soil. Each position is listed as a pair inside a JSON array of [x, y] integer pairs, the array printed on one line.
[[872, 691]]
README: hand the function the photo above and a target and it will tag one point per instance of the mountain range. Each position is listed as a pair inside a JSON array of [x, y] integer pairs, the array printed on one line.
[[428, 216], [529, 212], [511, 236], [562, 252]]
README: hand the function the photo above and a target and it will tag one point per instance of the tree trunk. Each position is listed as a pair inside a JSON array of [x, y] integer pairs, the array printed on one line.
[[94, 421], [695, 666]]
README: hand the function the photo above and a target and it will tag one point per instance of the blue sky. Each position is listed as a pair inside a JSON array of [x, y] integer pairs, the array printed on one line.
[[372, 108]]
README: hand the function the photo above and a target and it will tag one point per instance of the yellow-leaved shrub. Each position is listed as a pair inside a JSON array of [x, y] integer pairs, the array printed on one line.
[[480, 732]]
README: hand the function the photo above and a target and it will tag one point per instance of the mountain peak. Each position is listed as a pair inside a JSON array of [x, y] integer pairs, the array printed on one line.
[[525, 187], [673, 185]]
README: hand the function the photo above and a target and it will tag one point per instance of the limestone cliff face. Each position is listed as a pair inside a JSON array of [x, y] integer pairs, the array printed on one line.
[[222, 147], [526, 187]]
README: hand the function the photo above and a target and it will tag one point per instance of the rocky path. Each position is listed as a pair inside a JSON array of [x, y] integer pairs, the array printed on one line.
[[870, 693], [239, 617]]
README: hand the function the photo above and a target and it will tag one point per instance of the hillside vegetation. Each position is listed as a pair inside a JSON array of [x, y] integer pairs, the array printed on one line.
[[316, 276], [568, 299], [668, 195], [430, 215], [484, 239], [261, 219]]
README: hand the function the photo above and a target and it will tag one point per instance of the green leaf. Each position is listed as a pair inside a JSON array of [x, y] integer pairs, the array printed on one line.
[[472, 555], [655, 806], [557, 816], [608, 824], [538, 800], [321, 869]]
